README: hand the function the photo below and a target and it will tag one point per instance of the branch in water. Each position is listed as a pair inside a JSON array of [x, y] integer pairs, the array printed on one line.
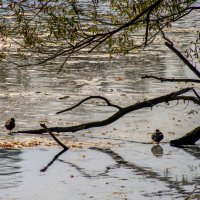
[[54, 137], [91, 97], [123, 111]]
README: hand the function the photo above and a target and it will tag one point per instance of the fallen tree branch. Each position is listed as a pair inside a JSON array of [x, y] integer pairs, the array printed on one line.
[[91, 97], [171, 79], [188, 139], [123, 111], [54, 137]]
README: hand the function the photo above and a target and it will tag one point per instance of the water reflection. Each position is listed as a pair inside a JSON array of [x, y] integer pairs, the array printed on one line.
[[150, 174], [192, 150], [53, 160], [10, 169], [100, 171], [157, 151]]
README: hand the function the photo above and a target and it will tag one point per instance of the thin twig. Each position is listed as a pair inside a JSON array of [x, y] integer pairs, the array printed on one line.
[[62, 65], [171, 79], [126, 25], [43, 6]]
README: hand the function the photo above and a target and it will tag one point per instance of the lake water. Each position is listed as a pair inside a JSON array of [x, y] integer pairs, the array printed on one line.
[[99, 173], [119, 167]]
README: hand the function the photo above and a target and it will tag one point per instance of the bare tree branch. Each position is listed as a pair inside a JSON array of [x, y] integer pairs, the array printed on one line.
[[43, 6], [123, 111], [171, 79], [147, 10], [147, 28], [91, 97]]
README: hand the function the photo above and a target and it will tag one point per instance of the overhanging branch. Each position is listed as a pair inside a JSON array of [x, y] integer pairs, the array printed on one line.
[[170, 46]]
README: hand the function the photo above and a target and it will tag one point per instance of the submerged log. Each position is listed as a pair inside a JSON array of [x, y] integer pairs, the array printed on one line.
[[188, 139]]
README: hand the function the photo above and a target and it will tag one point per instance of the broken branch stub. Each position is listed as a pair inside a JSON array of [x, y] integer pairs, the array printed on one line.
[[54, 137]]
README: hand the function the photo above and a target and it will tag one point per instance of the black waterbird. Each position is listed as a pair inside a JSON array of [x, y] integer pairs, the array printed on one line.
[[157, 136], [10, 124]]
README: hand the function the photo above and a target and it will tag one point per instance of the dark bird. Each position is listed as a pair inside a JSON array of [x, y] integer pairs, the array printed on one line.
[[10, 124], [157, 136]]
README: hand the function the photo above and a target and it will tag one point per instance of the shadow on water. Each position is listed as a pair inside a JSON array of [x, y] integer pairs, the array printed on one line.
[[10, 170]]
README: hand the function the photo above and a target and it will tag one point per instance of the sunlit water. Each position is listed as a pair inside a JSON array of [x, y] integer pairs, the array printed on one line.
[[142, 171]]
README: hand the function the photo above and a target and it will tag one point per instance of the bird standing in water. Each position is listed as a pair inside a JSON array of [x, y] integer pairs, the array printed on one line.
[[157, 136], [10, 124]]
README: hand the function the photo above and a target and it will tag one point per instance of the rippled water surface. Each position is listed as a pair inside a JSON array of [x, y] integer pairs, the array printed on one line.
[[127, 170]]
